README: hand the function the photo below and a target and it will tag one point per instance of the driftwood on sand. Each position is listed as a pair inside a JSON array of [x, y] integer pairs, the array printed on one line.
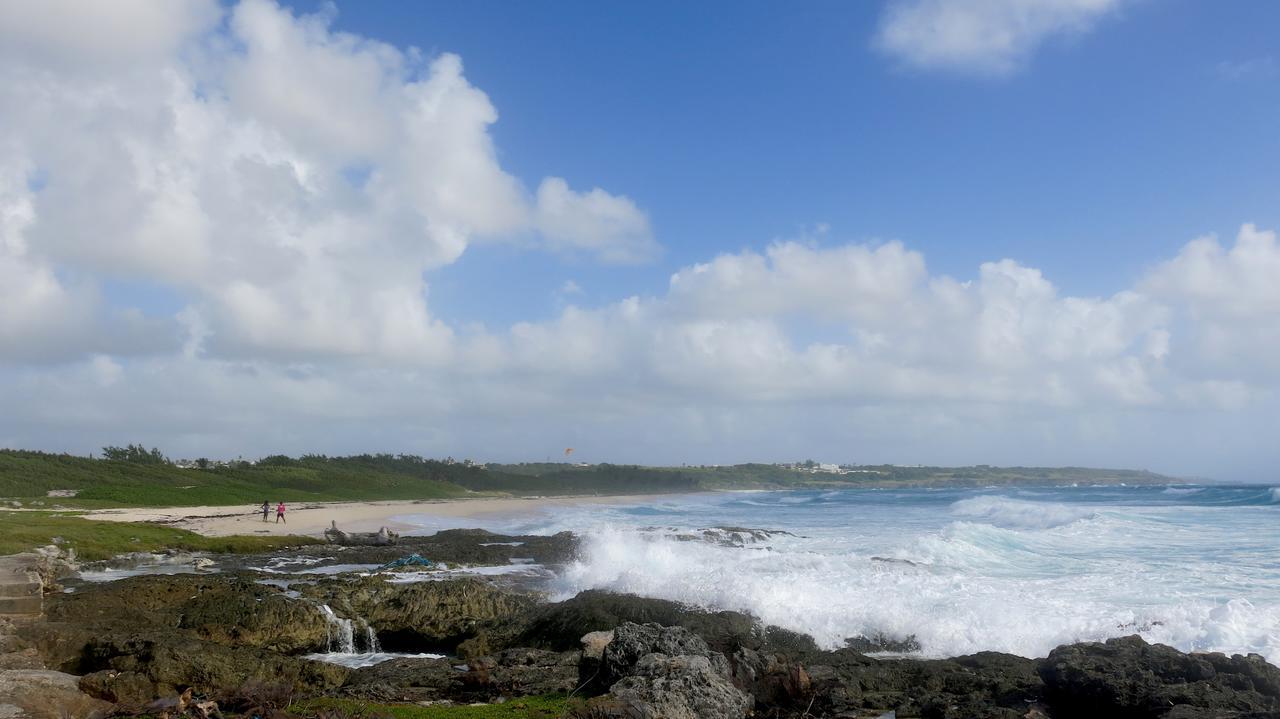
[[380, 538]]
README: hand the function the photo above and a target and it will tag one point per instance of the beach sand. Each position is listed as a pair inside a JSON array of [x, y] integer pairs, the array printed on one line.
[[312, 518]]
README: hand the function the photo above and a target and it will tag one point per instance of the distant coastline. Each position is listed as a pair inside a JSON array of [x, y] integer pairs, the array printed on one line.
[[134, 477]]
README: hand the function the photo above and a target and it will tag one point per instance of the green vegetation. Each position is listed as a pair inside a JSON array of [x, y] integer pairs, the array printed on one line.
[[135, 453], [29, 477], [543, 707], [138, 477], [93, 539]]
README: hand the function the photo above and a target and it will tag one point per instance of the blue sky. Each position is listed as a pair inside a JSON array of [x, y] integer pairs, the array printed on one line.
[[906, 231], [734, 126]]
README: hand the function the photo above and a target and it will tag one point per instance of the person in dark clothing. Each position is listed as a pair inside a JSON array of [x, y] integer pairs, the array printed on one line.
[[266, 510]]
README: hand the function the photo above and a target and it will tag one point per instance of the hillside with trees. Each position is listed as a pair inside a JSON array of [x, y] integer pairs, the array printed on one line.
[[137, 476]]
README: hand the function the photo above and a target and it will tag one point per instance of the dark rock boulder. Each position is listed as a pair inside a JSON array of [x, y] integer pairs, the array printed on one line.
[[128, 690], [987, 685], [44, 694], [1127, 677], [405, 680], [452, 547], [519, 672], [657, 672], [424, 616], [61, 645], [243, 613], [513, 673], [774, 680], [560, 626], [145, 602], [228, 609], [128, 668], [632, 642], [679, 687]]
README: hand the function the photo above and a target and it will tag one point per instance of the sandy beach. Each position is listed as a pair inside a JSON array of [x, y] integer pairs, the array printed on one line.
[[312, 518]]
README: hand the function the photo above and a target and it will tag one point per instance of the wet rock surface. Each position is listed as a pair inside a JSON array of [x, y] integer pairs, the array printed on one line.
[[560, 626], [127, 642], [1129, 677], [513, 673], [656, 672], [434, 616], [988, 684], [44, 694], [408, 680], [225, 609], [462, 547]]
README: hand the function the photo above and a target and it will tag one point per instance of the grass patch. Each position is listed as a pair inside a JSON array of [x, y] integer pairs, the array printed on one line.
[[93, 540], [539, 707]]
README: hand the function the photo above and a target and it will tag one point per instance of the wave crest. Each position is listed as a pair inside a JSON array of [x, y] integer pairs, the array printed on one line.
[[1019, 513]]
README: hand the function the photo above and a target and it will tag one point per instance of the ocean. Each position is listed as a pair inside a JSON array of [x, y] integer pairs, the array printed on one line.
[[950, 571]]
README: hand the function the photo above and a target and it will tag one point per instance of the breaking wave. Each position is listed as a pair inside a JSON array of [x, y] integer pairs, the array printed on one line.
[[948, 609], [961, 571], [1020, 514]]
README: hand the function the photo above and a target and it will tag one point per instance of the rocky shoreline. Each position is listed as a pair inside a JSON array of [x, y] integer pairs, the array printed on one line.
[[246, 636]]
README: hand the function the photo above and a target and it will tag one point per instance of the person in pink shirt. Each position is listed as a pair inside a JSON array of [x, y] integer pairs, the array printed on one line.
[[280, 514]]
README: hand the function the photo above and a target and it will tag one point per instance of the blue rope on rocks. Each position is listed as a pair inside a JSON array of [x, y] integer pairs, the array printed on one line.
[[415, 560]]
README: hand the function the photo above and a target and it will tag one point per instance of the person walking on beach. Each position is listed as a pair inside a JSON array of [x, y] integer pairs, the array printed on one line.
[[266, 509], [280, 514]]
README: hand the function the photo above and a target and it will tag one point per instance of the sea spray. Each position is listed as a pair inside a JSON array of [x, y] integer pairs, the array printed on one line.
[[973, 569]]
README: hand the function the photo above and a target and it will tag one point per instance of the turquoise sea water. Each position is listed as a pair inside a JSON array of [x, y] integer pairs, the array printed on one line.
[[1016, 570]]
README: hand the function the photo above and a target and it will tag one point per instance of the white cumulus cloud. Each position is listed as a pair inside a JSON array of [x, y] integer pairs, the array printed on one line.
[[981, 36], [285, 187], [291, 181], [609, 227]]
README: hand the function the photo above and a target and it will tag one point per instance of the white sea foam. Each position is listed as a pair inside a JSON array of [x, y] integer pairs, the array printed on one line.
[[831, 597], [1019, 514], [367, 659], [980, 572]]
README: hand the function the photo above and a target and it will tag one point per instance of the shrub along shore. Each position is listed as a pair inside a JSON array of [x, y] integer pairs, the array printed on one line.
[[135, 477]]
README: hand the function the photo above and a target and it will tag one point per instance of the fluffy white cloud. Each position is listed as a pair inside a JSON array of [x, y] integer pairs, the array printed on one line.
[[1228, 305], [611, 228], [905, 365], [292, 181], [725, 332], [983, 36], [101, 35], [287, 186]]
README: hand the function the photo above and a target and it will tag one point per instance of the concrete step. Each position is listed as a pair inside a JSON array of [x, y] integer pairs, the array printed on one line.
[[17, 564], [21, 605], [28, 589], [20, 588]]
